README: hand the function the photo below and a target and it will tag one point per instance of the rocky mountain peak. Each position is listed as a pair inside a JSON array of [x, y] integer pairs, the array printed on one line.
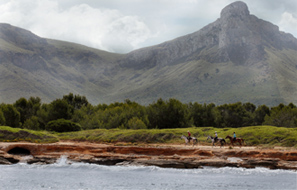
[[242, 35], [236, 9], [239, 37]]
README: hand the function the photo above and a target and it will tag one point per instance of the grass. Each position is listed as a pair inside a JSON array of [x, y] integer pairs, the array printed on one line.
[[264, 136], [253, 135], [8, 134]]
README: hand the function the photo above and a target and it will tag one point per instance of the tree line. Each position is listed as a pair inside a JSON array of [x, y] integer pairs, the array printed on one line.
[[75, 111]]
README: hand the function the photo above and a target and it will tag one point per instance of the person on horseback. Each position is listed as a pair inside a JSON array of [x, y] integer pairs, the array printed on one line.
[[216, 137], [234, 136], [189, 136]]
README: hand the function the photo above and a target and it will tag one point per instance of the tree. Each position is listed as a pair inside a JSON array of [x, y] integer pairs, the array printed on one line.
[[136, 123], [282, 116], [249, 107], [22, 106], [196, 113], [34, 105], [202, 115], [76, 101], [11, 115], [170, 114], [260, 114], [43, 115], [32, 123], [232, 115], [59, 109], [2, 118], [27, 108]]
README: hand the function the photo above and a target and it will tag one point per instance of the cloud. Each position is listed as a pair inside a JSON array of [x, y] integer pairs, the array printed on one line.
[[122, 26], [288, 23], [105, 29]]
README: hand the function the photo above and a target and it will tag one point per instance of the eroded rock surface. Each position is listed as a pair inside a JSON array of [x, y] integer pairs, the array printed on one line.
[[168, 156]]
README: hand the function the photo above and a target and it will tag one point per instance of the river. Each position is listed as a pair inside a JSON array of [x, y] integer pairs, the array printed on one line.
[[80, 176]]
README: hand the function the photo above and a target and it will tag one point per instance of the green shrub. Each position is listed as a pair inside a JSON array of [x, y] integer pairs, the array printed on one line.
[[136, 123], [62, 125]]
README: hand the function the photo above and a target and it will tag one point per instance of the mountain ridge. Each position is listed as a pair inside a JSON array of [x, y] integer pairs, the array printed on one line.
[[238, 57]]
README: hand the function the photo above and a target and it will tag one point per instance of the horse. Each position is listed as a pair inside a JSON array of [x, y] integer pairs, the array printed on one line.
[[194, 140], [238, 140], [221, 140]]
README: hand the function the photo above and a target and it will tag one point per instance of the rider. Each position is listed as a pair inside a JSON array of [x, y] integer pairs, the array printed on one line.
[[189, 136], [216, 136], [234, 136]]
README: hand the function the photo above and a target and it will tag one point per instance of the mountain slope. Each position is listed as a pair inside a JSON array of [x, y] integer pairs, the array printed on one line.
[[238, 57], [33, 66], [229, 60]]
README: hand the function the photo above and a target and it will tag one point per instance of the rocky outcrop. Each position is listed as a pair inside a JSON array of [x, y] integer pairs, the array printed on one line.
[[238, 36], [168, 156]]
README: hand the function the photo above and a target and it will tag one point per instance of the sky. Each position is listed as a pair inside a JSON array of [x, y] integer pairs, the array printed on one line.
[[121, 26]]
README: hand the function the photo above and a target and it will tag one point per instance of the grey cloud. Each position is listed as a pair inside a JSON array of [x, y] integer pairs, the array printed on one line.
[[121, 26]]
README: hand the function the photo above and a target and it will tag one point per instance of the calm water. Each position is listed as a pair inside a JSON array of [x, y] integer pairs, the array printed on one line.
[[89, 176]]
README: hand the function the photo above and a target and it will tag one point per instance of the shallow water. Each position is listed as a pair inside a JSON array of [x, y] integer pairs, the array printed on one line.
[[63, 175]]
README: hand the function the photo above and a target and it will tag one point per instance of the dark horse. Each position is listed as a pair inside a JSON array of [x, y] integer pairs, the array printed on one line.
[[238, 140], [221, 140]]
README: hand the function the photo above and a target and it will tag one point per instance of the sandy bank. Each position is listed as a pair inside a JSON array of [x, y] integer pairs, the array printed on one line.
[[173, 156]]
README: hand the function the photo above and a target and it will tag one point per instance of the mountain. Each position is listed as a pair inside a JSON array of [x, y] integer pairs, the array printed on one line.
[[238, 57], [33, 66]]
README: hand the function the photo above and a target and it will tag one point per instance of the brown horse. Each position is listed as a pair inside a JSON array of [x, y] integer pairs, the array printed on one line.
[[238, 140]]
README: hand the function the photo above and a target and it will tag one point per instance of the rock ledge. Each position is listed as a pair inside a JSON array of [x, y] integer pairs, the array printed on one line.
[[167, 156]]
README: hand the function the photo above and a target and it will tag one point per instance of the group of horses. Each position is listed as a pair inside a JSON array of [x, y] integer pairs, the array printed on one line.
[[222, 141]]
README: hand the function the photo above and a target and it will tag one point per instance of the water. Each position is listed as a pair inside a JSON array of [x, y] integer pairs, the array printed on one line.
[[79, 176]]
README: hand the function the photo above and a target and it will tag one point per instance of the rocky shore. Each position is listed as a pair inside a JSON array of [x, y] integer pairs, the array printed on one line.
[[169, 156]]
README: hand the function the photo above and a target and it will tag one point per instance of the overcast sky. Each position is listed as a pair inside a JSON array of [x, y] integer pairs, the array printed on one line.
[[124, 25]]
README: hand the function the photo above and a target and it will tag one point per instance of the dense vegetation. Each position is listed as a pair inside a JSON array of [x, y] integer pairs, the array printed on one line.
[[74, 118], [163, 114]]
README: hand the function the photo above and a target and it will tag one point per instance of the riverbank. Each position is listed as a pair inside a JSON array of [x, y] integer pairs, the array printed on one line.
[[161, 155]]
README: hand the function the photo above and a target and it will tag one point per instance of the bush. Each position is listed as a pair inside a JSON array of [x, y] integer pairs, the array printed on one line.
[[62, 125], [136, 123]]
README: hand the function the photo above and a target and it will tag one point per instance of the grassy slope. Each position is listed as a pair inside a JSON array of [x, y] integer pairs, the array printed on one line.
[[285, 70], [253, 136], [8, 134], [269, 82], [63, 67]]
